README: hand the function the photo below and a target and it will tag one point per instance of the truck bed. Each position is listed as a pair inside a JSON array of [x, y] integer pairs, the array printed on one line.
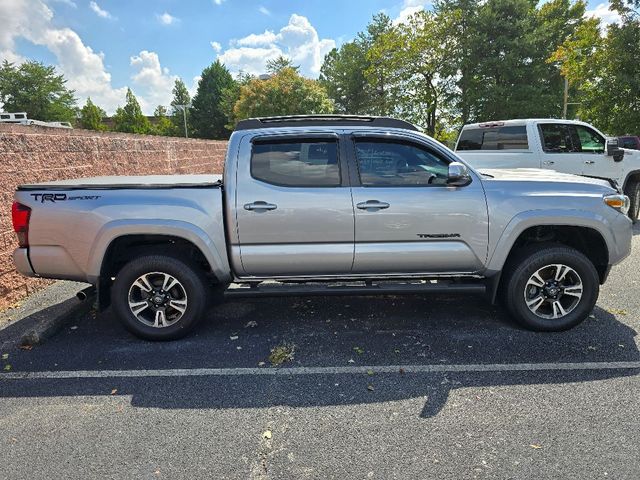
[[129, 182]]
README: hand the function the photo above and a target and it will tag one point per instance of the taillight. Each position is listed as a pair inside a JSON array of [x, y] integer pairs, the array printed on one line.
[[20, 216]]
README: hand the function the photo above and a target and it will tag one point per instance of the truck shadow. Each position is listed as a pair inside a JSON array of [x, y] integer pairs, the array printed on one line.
[[381, 333]]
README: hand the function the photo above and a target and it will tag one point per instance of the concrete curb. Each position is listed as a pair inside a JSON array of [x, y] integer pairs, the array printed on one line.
[[43, 314]]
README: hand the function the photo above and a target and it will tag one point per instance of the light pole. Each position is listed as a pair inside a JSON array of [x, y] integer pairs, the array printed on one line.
[[184, 116]]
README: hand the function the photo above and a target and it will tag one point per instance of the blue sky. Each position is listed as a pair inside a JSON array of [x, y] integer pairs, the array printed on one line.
[[105, 46]]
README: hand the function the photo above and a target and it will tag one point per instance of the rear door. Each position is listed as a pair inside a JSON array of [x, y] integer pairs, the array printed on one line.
[[407, 219], [293, 207]]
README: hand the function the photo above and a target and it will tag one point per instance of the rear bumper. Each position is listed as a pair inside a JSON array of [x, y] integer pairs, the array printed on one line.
[[22, 263]]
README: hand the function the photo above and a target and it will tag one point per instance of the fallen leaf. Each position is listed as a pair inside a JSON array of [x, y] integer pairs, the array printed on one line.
[[261, 364], [266, 434], [238, 347], [282, 353], [234, 337], [358, 350], [114, 391], [370, 388], [351, 360], [7, 367], [536, 446], [397, 350], [370, 372], [5, 356], [251, 324], [402, 371], [75, 327], [25, 347]]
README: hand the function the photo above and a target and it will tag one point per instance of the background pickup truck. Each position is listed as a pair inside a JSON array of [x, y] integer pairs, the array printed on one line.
[[327, 205], [566, 146]]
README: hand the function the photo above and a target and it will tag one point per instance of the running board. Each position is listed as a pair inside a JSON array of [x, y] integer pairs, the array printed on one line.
[[288, 290]]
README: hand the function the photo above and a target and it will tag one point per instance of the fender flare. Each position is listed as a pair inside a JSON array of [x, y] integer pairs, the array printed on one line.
[[176, 228], [535, 218], [628, 178]]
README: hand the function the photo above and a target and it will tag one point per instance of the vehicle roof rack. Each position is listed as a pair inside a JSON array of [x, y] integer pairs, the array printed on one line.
[[323, 120]]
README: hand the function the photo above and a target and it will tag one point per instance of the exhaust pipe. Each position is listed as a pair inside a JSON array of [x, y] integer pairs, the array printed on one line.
[[86, 293]]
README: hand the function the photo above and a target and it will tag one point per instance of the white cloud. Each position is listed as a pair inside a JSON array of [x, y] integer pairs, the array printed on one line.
[[69, 3], [264, 10], [99, 11], [218, 2], [298, 40], [216, 46], [410, 7], [605, 15], [167, 19], [153, 82]]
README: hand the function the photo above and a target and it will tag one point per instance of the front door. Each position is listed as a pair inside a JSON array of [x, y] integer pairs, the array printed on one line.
[[294, 208], [560, 148], [408, 220], [595, 161]]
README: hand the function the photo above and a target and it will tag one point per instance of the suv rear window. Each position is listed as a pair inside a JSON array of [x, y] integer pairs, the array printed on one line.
[[297, 163], [494, 138]]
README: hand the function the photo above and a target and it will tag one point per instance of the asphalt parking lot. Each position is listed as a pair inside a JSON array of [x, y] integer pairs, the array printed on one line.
[[393, 387]]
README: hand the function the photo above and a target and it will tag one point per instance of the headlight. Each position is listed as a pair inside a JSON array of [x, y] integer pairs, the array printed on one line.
[[619, 202]]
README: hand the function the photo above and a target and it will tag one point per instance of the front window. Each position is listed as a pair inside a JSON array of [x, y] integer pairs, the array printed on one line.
[[590, 140], [396, 164], [557, 138]]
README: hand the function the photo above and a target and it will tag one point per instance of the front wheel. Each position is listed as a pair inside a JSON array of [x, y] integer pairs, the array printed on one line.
[[551, 288], [633, 192], [159, 297]]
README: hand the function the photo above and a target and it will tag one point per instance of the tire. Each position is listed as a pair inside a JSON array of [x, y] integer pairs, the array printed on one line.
[[633, 192], [522, 286], [182, 305]]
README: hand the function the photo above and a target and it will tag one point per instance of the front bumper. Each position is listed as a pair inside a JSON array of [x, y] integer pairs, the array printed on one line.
[[22, 263]]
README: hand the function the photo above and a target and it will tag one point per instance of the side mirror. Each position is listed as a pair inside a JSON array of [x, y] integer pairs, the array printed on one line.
[[612, 146], [618, 155], [458, 175]]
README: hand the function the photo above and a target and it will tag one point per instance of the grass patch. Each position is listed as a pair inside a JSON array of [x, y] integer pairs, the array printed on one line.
[[282, 353]]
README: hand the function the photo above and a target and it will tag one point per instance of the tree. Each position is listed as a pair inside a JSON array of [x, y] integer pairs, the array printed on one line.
[[342, 75], [377, 81], [91, 116], [285, 93], [180, 97], [163, 125], [207, 115], [231, 95], [130, 118], [418, 79], [36, 89], [278, 64]]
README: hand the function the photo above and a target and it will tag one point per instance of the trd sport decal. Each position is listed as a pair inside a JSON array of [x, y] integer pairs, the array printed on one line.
[[61, 197]]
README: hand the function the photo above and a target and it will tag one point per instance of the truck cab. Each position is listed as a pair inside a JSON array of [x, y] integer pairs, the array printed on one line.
[[567, 146]]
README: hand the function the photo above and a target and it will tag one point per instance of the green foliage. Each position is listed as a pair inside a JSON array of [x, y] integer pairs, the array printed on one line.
[[130, 118], [285, 93], [278, 64], [163, 125], [231, 95], [342, 75], [91, 116], [180, 97], [207, 115], [36, 89]]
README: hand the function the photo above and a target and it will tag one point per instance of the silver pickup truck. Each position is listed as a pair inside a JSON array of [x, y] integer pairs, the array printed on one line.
[[329, 205]]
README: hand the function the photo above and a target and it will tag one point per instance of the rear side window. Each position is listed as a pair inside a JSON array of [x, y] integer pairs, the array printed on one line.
[[296, 163], [628, 142], [494, 138]]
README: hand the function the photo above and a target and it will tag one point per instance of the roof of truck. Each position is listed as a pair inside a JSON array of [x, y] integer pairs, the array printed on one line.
[[520, 121], [324, 121]]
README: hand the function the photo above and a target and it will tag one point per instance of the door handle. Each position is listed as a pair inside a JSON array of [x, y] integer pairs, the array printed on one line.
[[589, 162], [259, 205], [548, 162], [372, 205]]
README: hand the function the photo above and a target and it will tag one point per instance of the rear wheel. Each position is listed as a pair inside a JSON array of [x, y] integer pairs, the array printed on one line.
[[159, 297], [633, 192], [550, 288]]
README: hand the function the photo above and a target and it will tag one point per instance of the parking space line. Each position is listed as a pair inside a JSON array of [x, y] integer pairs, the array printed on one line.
[[285, 371]]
